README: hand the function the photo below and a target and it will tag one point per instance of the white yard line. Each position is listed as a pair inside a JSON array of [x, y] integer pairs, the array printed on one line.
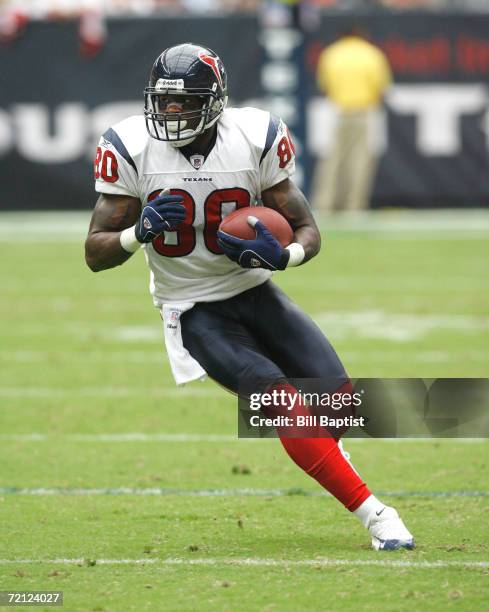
[[146, 357], [396, 327], [137, 436], [451, 234], [120, 437], [405, 220], [260, 562], [73, 225], [56, 392], [243, 492], [64, 356]]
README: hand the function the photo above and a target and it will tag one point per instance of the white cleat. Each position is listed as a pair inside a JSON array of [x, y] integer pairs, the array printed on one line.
[[388, 531]]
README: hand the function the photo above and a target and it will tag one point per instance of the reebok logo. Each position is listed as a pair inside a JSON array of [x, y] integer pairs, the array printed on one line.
[[163, 84]]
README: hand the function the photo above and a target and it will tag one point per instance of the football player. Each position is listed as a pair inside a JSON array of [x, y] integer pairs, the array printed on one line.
[[166, 180]]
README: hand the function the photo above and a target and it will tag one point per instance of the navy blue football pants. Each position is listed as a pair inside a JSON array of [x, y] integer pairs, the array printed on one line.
[[256, 338], [260, 338]]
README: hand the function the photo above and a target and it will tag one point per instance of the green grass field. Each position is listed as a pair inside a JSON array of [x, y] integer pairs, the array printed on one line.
[[130, 494]]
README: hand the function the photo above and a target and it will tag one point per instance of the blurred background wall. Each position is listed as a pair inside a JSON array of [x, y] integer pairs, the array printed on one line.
[[70, 69]]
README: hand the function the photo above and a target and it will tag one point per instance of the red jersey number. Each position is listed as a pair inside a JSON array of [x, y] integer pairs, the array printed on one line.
[[185, 234], [185, 237], [284, 151], [105, 166], [213, 213]]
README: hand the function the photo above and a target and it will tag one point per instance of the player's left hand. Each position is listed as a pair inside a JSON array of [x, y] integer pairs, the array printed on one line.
[[264, 251]]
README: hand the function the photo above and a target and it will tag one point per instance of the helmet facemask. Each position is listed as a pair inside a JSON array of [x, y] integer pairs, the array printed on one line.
[[180, 128]]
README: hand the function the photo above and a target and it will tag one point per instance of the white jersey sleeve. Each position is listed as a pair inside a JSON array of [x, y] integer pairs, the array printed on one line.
[[277, 161], [115, 171]]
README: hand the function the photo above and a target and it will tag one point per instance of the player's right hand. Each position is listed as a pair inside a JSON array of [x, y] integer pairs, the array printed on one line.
[[163, 214]]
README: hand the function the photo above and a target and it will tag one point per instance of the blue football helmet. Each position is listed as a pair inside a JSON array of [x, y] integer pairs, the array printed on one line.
[[196, 79]]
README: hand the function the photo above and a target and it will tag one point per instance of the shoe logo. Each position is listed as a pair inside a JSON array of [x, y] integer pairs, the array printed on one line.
[[147, 223], [380, 512], [256, 263]]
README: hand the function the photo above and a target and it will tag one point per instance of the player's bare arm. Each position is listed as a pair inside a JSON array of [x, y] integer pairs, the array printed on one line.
[[112, 214], [265, 250], [289, 201]]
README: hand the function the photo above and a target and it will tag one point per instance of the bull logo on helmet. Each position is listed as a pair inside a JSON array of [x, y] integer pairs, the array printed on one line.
[[213, 63]]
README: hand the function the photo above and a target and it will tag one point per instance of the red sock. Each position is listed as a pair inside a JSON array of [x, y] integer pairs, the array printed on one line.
[[322, 459]]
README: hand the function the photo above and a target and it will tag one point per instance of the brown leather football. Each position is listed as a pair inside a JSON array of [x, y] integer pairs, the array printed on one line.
[[236, 224]]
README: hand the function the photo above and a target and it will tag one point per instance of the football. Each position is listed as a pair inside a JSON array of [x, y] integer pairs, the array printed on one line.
[[236, 224]]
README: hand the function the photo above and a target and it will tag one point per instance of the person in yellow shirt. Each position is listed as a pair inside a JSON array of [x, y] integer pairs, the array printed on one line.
[[354, 74]]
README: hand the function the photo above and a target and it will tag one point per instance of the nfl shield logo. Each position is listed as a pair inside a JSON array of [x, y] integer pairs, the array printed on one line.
[[197, 161], [172, 322]]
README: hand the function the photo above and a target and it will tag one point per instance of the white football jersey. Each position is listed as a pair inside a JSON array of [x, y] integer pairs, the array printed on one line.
[[252, 153]]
